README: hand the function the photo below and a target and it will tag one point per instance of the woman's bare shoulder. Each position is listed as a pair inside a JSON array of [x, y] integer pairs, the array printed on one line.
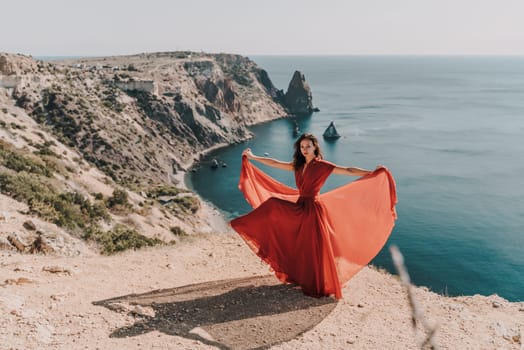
[[326, 163]]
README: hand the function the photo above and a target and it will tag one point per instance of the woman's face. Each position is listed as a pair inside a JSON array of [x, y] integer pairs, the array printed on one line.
[[306, 148]]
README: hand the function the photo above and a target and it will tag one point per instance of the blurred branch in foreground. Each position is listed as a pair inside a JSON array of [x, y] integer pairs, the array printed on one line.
[[416, 313]]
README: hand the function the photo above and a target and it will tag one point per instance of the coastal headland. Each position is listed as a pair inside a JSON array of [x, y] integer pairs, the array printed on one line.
[[103, 246]]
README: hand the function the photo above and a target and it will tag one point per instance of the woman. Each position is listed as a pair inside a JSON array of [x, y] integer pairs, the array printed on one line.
[[317, 241]]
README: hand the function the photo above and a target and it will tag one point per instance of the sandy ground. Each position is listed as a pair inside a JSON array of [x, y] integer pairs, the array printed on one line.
[[210, 291]]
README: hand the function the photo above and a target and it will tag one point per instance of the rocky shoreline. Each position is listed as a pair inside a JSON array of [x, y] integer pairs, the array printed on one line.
[[210, 216]]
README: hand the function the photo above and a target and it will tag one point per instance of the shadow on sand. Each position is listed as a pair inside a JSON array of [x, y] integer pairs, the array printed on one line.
[[244, 313]]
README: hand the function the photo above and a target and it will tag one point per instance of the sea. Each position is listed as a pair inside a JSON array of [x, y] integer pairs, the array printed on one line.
[[449, 128]]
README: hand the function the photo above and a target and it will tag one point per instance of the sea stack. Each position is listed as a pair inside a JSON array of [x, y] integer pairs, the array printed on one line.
[[298, 97], [331, 132]]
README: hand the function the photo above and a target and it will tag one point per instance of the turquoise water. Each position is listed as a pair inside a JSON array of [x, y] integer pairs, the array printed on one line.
[[451, 130]]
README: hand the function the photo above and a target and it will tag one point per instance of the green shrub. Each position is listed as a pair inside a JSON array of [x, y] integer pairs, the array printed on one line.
[[188, 203], [110, 100], [45, 150], [120, 238], [178, 231], [18, 126], [70, 169], [14, 160], [69, 209], [119, 197], [98, 210], [164, 191], [19, 163]]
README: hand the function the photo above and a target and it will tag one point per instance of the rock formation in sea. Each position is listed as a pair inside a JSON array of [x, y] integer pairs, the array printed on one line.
[[298, 97], [331, 132]]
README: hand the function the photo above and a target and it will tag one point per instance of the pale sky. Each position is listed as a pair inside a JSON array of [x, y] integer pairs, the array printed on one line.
[[249, 27]]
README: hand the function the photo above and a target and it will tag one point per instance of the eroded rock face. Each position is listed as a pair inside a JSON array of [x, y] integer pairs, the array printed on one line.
[[11, 64], [299, 99], [220, 93], [199, 100], [232, 103], [5, 67], [212, 91], [276, 94]]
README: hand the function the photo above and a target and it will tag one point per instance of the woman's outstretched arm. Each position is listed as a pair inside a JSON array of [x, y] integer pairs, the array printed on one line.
[[353, 171], [268, 161]]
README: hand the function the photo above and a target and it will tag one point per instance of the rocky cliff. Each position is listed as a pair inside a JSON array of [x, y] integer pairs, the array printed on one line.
[[201, 100], [126, 123]]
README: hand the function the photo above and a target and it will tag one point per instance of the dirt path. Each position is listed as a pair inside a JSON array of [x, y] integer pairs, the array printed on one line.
[[212, 292]]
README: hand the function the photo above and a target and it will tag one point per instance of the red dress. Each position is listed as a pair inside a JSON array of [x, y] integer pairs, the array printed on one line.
[[317, 241]]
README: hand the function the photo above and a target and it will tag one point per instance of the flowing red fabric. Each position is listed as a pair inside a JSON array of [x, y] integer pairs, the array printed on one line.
[[317, 241]]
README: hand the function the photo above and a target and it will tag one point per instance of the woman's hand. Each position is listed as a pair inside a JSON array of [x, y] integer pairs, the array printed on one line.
[[247, 153]]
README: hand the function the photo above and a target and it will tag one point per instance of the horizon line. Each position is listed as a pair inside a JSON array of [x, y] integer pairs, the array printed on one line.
[[516, 55]]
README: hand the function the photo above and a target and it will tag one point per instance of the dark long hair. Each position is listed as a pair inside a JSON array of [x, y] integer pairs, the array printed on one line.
[[298, 158]]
